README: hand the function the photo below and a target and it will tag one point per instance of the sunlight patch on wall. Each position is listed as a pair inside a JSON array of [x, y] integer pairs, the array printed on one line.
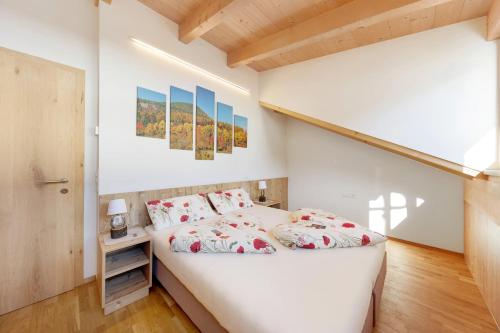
[[377, 203], [398, 215], [483, 154], [396, 211], [399, 212], [397, 200]]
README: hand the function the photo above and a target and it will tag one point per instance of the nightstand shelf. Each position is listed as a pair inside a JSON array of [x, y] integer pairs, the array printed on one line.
[[124, 284], [125, 260], [124, 270]]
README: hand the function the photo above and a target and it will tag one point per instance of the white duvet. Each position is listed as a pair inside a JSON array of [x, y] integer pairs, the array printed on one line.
[[290, 291]]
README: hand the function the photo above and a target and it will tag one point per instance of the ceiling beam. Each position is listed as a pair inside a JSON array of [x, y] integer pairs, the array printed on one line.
[[437, 162], [494, 21], [354, 15], [208, 15]]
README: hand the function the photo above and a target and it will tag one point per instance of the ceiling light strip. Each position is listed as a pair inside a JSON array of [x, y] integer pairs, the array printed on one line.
[[188, 65]]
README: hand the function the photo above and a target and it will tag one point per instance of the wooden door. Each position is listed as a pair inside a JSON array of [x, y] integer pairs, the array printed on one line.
[[41, 146]]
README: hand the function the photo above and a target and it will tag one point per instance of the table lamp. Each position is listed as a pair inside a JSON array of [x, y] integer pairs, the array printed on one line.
[[116, 208], [262, 188]]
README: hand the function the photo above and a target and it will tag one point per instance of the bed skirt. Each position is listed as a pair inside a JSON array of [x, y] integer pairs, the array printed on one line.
[[207, 323]]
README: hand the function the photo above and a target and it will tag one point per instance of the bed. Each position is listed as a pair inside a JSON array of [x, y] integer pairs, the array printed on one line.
[[289, 291]]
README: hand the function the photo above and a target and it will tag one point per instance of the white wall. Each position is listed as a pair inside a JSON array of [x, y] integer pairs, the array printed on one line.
[[348, 177], [434, 91], [131, 163], [66, 32]]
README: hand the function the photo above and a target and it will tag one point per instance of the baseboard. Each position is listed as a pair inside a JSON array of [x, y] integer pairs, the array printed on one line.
[[87, 280], [425, 246]]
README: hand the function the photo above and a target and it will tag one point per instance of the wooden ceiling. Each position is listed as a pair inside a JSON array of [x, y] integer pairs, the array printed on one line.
[[266, 34]]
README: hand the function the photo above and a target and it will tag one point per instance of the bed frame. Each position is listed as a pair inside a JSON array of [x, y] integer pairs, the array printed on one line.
[[207, 323], [277, 189]]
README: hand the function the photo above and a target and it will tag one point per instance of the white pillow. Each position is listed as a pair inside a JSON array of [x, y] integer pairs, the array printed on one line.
[[230, 200], [169, 212]]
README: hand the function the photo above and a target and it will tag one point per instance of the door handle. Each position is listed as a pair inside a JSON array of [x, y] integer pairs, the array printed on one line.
[[54, 181]]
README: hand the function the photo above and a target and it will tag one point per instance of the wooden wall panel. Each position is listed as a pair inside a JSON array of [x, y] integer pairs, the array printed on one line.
[[277, 189], [482, 239]]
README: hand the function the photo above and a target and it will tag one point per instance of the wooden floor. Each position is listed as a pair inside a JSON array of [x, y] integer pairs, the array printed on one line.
[[425, 291]]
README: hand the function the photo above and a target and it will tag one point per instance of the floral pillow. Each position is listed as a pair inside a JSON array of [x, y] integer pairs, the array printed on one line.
[[169, 212], [324, 230], [220, 236], [310, 214], [243, 221], [230, 200]]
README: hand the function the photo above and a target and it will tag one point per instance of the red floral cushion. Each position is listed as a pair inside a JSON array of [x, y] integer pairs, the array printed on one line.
[[316, 229], [309, 214], [169, 212], [230, 200], [221, 236]]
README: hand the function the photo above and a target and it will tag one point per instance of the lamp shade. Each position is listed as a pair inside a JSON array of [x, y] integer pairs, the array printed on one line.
[[117, 206], [262, 185]]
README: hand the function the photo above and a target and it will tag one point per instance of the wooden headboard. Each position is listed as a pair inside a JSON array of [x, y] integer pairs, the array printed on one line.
[[277, 189]]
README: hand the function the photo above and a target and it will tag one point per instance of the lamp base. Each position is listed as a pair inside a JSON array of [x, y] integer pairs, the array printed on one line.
[[262, 198], [119, 233]]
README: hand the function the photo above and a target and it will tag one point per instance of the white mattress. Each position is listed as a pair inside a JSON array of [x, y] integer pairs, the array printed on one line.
[[290, 291]]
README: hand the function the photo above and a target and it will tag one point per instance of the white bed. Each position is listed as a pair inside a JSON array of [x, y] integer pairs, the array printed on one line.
[[290, 291]]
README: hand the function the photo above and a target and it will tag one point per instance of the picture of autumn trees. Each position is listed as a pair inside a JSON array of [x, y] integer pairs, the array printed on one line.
[[205, 113], [224, 128], [151, 121], [151, 114], [240, 131], [181, 119]]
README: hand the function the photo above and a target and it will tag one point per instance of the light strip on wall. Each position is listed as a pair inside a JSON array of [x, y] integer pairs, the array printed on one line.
[[188, 65]]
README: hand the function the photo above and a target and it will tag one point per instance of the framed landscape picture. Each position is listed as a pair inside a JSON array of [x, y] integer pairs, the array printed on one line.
[[181, 119], [151, 114], [205, 132], [240, 131], [224, 128]]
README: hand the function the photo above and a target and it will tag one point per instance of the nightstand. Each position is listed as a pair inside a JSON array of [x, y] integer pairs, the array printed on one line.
[[268, 203], [124, 272]]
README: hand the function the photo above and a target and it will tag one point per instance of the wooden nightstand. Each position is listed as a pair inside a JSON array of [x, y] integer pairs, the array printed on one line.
[[268, 203], [124, 272]]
